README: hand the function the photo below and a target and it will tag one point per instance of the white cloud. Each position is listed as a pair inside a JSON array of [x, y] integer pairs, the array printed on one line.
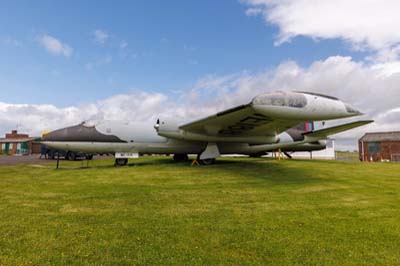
[[365, 24], [54, 46], [100, 36], [362, 85]]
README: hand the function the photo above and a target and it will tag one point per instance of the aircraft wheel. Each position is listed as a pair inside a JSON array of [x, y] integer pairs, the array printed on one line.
[[207, 161], [71, 156], [121, 162], [180, 157]]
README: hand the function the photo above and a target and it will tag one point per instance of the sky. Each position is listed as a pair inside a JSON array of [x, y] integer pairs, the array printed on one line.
[[67, 61]]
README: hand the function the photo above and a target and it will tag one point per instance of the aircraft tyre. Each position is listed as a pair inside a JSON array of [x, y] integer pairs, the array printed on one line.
[[206, 161], [71, 156], [178, 157], [121, 161]]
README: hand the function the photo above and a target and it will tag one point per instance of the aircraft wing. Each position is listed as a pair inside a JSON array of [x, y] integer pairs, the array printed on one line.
[[324, 133], [239, 121]]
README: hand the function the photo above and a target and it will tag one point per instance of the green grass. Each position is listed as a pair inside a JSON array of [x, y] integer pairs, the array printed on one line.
[[237, 212], [347, 156]]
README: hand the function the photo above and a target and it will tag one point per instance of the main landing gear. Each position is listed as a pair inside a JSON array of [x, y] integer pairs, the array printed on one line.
[[184, 158], [121, 161], [178, 157], [206, 161]]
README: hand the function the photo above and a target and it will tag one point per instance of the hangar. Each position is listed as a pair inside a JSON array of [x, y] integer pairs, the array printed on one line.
[[380, 146]]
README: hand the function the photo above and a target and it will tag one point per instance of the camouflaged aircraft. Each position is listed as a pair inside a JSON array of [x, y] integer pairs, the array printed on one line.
[[271, 121]]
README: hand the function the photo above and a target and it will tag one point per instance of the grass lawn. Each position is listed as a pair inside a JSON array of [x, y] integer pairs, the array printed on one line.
[[236, 212]]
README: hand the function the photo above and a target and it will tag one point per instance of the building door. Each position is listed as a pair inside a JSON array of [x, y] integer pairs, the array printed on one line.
[[6, 147], [24, 148], [374, 151]]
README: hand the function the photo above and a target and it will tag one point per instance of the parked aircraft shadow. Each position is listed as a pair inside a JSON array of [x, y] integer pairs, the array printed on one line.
[[265, 169]]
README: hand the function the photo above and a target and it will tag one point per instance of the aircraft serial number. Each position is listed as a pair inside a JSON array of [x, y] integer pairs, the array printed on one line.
[[246, 124]]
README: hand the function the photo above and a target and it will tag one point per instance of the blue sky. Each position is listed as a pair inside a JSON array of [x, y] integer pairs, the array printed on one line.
[[62, 62], [157, 46]]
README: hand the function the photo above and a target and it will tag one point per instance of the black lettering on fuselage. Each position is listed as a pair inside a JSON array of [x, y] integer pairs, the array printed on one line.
[[246, 124]]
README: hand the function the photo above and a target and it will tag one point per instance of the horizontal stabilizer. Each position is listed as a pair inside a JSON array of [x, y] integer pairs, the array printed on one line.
[[324, 133]]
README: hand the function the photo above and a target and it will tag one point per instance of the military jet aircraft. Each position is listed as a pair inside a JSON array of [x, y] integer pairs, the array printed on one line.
[[271, 121]]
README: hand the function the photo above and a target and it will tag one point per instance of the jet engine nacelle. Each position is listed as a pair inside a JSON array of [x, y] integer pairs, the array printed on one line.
[[166, 126], [170, 129]]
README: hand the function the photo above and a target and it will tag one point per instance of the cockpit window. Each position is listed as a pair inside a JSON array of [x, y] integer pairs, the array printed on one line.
[[281, 99]]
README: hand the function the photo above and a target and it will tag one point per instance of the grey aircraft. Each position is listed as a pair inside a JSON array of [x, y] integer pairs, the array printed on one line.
[[271, 121]]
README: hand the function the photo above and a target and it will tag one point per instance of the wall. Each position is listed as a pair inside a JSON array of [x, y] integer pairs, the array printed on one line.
[[25, 147], [389, 150], [14, 135]]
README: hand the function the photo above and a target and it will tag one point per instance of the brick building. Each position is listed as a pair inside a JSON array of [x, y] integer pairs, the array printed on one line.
[[19, 144], [380, 146]]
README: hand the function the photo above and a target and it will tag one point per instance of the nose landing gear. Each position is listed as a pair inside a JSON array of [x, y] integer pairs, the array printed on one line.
[[121, 161]]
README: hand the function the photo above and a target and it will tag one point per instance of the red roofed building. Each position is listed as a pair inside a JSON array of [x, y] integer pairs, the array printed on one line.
[[19, 144], [380, 146]]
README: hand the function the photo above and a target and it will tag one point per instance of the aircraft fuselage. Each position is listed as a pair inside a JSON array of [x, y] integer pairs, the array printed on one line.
[[267, 123]]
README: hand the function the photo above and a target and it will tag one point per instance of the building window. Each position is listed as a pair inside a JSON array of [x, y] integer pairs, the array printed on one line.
[[374, 148], [11, 146], [3, 146]]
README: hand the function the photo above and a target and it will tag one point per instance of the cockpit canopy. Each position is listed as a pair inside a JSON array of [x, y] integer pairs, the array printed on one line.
[[284, 99]]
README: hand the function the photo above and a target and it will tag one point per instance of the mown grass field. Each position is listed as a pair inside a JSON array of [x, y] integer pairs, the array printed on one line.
[[237, 212]]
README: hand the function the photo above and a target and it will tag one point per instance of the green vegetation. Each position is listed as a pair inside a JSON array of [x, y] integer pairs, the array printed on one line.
[[237, 212], [347, 156]]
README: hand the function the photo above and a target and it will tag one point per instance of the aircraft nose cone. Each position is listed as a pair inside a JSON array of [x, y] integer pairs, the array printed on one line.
[[79, 133], [351, 110], [63, 134]]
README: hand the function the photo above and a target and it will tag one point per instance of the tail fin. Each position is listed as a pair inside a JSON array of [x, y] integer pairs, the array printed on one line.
[[296, 132], [309, 126]]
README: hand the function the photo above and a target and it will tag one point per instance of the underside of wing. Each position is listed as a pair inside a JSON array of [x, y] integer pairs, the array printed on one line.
[[242, 120]]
